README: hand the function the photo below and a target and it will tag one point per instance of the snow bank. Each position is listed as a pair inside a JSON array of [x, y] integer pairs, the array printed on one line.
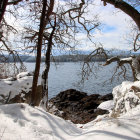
[[21, 121], [126, 96]]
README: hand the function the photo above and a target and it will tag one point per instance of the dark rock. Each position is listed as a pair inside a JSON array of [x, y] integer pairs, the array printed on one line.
[[16, 99], [78, 106], [70, 95], [107, 97]]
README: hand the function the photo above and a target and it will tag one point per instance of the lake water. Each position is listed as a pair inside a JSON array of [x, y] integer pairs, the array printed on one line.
[[67, 75]]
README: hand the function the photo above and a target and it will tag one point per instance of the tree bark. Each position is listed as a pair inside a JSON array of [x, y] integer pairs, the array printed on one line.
[[3, 4], [44, 101], [126, 8], [38, 58]]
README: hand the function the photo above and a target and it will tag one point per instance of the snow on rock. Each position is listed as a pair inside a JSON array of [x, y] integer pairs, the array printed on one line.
[[11, 87], [126, 96], [107, 105], [24, 74], [21, 121]]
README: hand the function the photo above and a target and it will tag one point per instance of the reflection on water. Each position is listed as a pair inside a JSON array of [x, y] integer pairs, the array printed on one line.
[[67, 75]]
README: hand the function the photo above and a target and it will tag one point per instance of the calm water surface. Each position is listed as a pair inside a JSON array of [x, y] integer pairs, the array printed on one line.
[[67, 75]]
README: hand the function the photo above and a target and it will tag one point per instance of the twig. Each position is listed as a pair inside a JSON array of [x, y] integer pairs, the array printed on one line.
[[8, 98]]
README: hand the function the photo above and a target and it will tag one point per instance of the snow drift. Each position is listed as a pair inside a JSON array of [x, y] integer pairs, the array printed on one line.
[[21, 121]]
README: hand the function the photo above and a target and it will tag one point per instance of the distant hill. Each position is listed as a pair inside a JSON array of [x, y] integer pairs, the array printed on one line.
[[80, 56]]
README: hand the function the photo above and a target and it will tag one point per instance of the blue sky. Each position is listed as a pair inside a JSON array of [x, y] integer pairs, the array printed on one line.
[[108, 28]]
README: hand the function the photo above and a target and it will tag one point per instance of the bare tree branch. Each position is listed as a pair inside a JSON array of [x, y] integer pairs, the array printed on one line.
[[137, 46]]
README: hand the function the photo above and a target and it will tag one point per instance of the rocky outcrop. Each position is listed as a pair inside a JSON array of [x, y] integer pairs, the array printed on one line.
[[78, 106]]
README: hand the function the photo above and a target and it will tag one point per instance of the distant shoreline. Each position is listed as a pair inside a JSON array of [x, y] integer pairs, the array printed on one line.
[[61, 58]]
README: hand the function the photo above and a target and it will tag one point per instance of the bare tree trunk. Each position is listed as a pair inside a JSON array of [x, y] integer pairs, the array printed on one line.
[[44, 102], [3, 4], [43, 21], [38, 58], [125, 7]]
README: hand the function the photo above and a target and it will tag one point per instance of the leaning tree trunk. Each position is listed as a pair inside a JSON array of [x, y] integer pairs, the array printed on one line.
[[38, 58], [44, 102], [126, 8], [3, 4]]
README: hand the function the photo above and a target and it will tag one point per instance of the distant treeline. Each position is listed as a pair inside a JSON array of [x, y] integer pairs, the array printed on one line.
[[61, 58]]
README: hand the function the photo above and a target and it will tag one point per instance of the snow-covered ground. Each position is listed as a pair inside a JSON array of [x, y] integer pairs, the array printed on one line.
[[107, 105], [23, 122]]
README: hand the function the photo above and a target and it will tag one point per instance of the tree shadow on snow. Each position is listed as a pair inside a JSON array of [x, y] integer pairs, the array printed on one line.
[[115, 135], [54, 124]]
